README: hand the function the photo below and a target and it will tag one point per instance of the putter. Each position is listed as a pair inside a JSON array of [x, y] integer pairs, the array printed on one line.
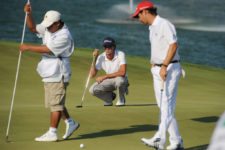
[[17, 73], [87, 83], [161, 96], [86, 86]]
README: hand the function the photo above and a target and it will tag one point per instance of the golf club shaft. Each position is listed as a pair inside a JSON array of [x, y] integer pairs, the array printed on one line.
[[161, 96], [87, 82], [162, 85], [16, 78]]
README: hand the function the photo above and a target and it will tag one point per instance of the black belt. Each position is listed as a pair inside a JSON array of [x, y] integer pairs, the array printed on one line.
[[172, 62]]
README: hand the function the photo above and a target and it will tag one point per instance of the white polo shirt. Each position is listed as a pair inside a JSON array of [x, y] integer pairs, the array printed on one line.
[[162, 33], [61, 45], [110, 66]]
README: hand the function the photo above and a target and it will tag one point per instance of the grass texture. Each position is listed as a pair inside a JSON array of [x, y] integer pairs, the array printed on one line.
[[200, 102]]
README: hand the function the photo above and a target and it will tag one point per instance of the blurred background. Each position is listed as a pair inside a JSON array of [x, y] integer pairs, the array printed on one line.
[[200, 25]]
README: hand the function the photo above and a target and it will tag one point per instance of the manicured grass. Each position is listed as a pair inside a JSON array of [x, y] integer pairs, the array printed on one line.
[[200, 102]]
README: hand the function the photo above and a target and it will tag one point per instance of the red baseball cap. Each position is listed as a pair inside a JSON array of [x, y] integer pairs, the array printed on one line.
[[141, 6]]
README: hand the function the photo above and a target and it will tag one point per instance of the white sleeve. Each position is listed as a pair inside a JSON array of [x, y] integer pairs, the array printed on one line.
[[122, 58], [41, 30], [170, 32], [99, 61]]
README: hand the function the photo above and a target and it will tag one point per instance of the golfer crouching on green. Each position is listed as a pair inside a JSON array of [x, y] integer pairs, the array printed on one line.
[[54, 68], [113, 62]]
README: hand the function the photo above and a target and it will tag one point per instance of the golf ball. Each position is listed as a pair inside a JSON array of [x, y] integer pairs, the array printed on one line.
[[81, 145]]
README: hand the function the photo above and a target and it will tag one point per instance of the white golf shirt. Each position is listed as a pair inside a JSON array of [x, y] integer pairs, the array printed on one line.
[[110, 66], [162, 34], [61, 45]]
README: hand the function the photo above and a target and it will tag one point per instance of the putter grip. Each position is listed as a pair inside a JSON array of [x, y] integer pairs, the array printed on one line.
[[96, 51], [95, 57]]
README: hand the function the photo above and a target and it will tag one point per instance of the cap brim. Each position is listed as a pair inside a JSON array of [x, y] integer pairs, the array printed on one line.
[[108, 45], [135, 15], [46, 23]]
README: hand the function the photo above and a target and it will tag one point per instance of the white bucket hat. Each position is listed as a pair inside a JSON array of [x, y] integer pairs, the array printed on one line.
[[50, 17]]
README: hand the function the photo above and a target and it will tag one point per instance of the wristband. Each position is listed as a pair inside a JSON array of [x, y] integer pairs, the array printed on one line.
[[164, 65]]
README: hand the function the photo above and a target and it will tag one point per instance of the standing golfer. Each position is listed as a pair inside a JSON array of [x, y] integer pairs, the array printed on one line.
[[113, 62], [166, 71], [54, 68]]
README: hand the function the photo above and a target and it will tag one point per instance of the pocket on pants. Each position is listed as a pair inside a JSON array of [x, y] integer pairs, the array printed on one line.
[[58, 98], [55, 94]]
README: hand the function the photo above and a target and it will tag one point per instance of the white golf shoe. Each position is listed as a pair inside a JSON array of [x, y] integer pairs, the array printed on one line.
[[176, 146], [153, 142], [70, 128], [47, 137], [119, 103]]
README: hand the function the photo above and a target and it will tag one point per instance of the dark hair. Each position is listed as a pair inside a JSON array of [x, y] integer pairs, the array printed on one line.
[[152, 10], [61, 22]]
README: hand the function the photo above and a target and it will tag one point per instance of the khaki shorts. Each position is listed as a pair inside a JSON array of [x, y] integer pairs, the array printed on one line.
[[55, 95]]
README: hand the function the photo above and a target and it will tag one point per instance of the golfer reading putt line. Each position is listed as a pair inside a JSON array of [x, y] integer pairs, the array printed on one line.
[[113, 62], [165, 68], [54, 68]]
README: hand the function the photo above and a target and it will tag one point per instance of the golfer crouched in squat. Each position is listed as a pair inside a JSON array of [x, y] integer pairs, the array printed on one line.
[[54, 68], [113, 62]]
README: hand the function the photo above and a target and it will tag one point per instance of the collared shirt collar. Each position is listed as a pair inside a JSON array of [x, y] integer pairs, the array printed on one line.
[[63, 27], [155, 21]]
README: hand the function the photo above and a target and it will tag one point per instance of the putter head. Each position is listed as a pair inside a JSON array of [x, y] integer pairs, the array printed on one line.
[[7, 140], [79, 106]]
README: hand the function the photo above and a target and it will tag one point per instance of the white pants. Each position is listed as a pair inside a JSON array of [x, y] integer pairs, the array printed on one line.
[[166, 102]]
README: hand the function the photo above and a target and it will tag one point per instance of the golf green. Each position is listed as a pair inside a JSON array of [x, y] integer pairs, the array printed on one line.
[[200, 102]]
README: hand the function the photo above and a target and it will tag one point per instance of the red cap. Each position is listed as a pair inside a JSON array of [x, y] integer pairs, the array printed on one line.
[[141, 6]]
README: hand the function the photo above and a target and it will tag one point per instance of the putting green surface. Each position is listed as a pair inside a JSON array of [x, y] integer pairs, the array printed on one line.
[[200, 102]]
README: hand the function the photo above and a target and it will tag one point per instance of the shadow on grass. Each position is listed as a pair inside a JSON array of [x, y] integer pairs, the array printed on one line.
[[141, 104], [200, 147], [106, 133], [209, 119]]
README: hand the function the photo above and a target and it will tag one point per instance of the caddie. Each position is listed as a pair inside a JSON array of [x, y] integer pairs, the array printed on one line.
[[54, 68]]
